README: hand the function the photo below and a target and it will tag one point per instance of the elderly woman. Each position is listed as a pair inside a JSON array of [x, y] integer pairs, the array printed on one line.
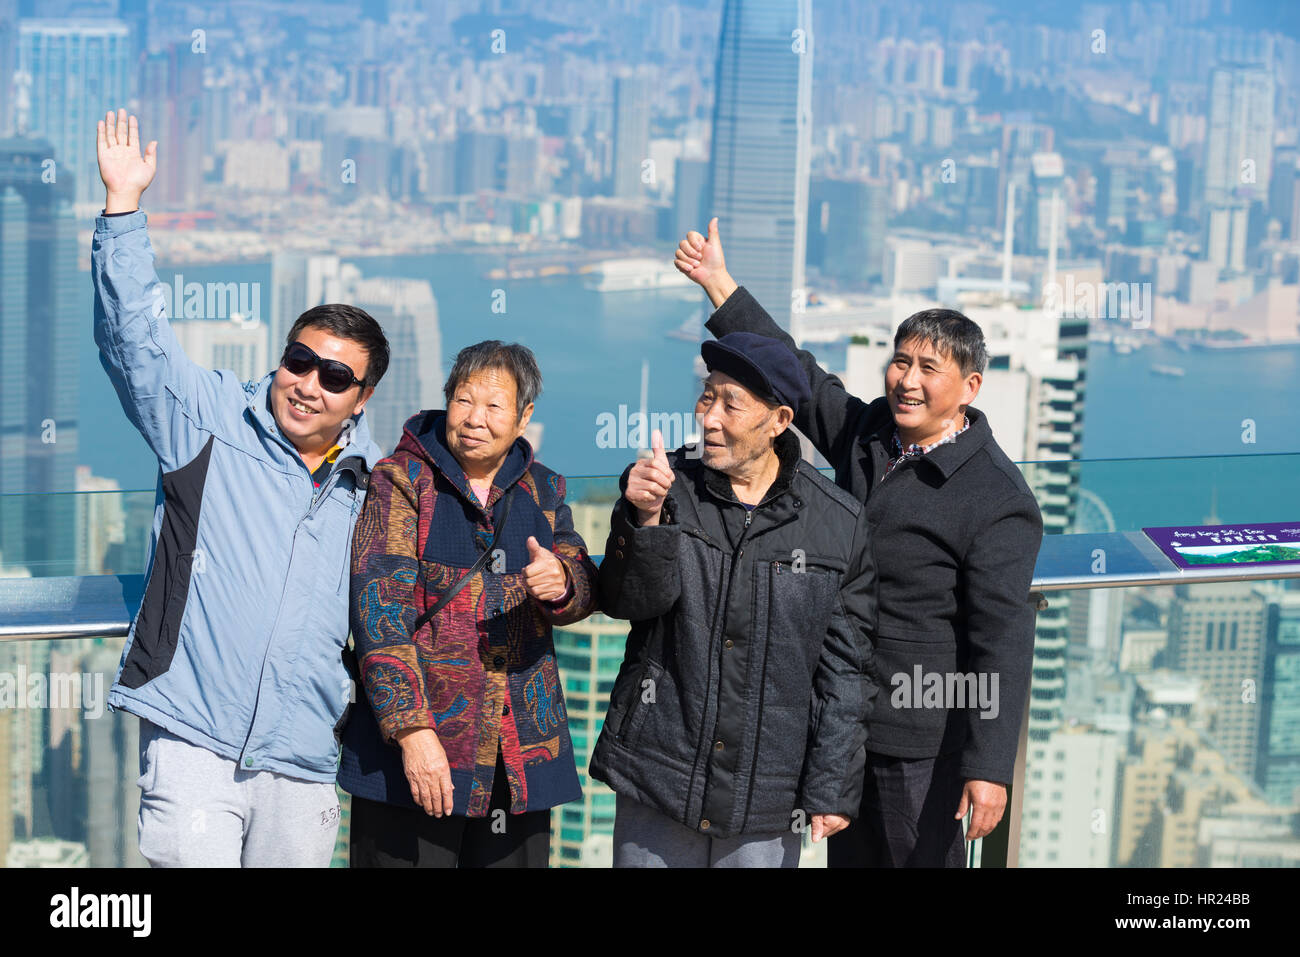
[[459, 746]]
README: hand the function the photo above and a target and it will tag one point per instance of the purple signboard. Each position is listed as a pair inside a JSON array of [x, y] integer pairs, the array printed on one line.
[[1196, 546]]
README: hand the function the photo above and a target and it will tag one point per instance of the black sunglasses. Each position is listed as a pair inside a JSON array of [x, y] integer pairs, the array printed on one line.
[[334, 376]]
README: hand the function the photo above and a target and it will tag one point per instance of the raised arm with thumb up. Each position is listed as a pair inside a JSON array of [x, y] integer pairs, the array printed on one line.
[[699, 258], [649, 481], [544, 575]]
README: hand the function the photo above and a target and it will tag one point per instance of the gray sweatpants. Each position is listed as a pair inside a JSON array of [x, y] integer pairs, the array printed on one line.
[[198, 809], [643, 837]]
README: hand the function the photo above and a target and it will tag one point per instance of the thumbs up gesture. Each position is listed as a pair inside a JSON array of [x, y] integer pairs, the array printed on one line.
[[544, 576], [699, 259], [649, 481]]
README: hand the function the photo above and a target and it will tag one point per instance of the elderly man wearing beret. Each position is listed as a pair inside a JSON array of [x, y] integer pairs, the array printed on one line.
[[738, 719]]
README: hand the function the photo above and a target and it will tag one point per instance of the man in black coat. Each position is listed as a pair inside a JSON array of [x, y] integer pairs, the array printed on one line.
[[956, 532], [738, 718]]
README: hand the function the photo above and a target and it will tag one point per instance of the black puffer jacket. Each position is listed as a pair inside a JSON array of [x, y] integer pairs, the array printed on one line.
[[742, 701]]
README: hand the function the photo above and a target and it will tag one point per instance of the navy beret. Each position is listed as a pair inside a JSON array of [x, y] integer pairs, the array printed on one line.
[[765, 366]]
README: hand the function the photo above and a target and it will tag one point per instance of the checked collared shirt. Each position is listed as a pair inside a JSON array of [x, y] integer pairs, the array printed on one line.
[[915, 451]]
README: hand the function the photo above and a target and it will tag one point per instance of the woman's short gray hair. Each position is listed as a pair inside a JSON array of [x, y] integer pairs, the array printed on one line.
[[512, 358]]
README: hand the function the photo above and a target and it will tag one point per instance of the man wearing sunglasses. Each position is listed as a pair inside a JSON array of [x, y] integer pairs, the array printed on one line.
[[234, 662]]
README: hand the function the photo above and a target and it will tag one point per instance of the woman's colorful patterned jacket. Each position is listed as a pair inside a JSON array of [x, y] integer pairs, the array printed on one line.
[[482, 672]]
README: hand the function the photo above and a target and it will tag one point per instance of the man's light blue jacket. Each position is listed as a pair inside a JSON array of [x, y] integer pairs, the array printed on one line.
[[237, 645]]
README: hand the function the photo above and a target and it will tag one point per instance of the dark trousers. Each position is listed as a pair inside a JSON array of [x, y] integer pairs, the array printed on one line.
[[907, 816], [386, 836]]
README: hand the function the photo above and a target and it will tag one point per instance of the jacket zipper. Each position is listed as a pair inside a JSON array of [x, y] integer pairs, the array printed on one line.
[[726, 600], [347, 558], [275, 626], [762, 690]]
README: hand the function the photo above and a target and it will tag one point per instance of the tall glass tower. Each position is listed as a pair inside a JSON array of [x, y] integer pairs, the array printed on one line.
[[43, 304], [589, 654], [762, 125], [72, 72]]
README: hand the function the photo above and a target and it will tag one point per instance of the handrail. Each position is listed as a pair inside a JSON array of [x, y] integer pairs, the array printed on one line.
[[103, 605], [90, 606]]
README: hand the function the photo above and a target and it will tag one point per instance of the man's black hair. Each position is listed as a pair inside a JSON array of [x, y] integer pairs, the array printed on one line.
[[348, 322], [952, 334]]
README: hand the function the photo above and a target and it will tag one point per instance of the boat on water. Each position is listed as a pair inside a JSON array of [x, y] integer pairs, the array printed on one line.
[[634, 275], [1174, 371], [1123, 345]]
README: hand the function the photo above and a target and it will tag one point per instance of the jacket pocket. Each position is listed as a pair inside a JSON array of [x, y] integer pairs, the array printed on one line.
[[644, 697], [150, 734], [801, 602], [912, 707]]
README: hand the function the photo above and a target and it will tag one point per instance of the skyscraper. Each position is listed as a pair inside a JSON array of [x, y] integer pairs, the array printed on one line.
[[406, 310], [171, 109], [1216, 632], [631, 135], [690, 196], [237, 345], [298, 282], [1034, 395], [851, 215], [762, 121], [1070, 800], [408, 313], [42, 318], [1238, 158], [589, 654], [73, 72], [1239, 141], [8, 31], [1046, 189], [1277, 767]]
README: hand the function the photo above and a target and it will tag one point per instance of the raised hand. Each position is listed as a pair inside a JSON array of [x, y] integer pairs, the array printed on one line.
[[700, 260], [126, 174], [649, 481], [544, 576]]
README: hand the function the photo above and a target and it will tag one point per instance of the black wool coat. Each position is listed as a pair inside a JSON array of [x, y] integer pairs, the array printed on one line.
[[741, 704], [956, 534]]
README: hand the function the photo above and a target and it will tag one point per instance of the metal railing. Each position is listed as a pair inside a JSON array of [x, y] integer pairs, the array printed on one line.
[[37, 609]]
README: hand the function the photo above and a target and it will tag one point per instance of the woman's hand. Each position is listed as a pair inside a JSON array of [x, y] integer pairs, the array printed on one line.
[[544, 576], [427, 770]]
